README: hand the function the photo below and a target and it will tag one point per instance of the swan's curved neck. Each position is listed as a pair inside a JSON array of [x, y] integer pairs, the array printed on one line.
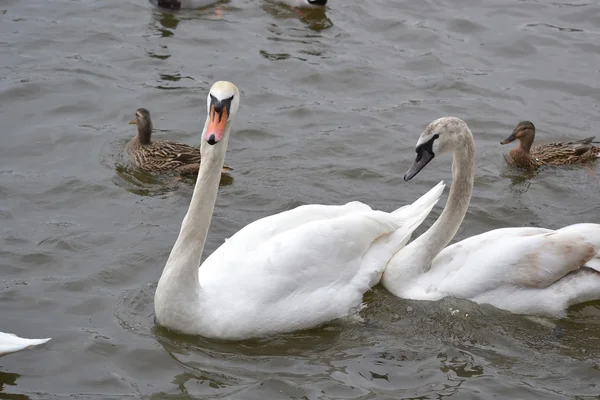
[[417, 256], [443, 230], [179, 279]]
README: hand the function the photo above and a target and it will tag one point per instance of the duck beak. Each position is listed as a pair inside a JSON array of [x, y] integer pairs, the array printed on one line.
[[216, 125], [509, 139], [133, 122]]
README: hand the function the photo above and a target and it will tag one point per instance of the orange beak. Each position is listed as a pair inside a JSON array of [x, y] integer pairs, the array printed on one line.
[[133, 122], [216, 126]]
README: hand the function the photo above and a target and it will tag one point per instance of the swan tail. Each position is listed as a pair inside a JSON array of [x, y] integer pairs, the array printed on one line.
[[583, 286], [413, 215], [407, 219], [429, 198], [594, 263], [11, 343]]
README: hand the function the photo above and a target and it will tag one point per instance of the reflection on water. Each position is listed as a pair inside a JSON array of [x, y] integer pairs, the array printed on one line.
[[9, 379], [520, 179], [167, 20], [315, 19], [143, 183]]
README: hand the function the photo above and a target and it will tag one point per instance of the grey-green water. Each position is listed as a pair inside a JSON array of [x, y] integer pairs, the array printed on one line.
[[333, 104]]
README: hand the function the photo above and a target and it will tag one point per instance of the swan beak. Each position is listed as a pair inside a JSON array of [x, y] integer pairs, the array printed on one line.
[[509, 139], [424, 155], [133, 122], [216, 125]]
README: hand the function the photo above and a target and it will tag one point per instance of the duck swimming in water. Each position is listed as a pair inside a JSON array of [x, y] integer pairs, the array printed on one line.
[[557, 153], [157, 156]]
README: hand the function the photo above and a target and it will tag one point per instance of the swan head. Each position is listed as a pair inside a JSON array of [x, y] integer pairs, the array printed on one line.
[[222, 105], [524, 131], [443, 135]]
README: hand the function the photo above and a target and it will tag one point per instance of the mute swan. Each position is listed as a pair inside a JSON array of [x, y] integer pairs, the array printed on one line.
[[10, 343], [289, 271], [180, 4], [161, 155], [557, 153], [523, 270]]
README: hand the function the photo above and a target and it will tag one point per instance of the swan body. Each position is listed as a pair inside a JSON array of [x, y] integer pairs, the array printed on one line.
[[289, 271], [10, 343], [524, 270], [183, 4]]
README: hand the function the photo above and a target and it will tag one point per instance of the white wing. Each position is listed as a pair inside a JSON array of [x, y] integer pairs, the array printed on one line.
[[10, 343], [303, 267], [526, 270]]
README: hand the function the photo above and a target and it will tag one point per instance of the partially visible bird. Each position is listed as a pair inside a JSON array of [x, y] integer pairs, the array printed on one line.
[[557, 153], [11, 343], [153, 156], [182, 4]]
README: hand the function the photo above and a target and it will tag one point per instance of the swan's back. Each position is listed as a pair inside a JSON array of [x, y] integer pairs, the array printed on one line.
[[300, 268]]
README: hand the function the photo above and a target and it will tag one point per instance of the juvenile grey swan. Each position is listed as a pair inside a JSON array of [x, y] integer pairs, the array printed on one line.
[[523, 270]]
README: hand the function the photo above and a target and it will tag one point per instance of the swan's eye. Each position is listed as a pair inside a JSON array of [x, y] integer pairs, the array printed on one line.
[[437, 135]]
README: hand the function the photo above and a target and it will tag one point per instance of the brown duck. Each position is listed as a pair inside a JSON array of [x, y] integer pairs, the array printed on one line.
[[557, 153], [153, 156]]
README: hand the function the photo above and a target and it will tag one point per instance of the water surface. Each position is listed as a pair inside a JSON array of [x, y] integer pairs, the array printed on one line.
[[332, 106]]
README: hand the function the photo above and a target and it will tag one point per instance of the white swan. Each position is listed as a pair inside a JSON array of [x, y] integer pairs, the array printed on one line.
[[10, 343], [182, 4], [289, 271], [524, 270]]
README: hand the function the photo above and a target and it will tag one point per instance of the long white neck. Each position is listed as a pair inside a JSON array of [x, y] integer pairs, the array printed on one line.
[[178, 286], [416, 257]]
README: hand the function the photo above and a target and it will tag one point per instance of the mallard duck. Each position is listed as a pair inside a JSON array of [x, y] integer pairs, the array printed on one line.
[[161, 155], [557, 153]]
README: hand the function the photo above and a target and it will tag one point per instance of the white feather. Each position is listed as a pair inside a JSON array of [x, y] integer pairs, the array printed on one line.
[[10, 343], [300, 268]]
